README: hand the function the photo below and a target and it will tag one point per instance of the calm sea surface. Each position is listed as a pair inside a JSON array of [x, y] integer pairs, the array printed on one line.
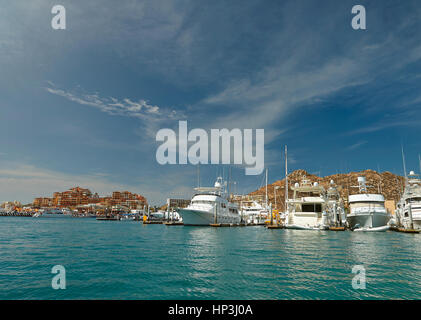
[[128, 260]]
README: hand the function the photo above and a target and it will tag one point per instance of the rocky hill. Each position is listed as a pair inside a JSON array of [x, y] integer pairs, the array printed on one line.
[[387, 183]]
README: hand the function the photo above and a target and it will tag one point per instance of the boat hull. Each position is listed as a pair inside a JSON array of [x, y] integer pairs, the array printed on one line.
[[377, 229], [416, 218], [368, 220], [55, 215], [205, 218], [307, 221], [299, 227], [406, 223]]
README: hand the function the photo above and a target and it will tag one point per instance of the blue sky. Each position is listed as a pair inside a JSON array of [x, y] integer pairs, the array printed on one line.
[[82, 106]]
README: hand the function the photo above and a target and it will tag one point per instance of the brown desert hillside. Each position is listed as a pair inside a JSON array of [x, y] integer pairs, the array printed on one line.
[[387, 183]]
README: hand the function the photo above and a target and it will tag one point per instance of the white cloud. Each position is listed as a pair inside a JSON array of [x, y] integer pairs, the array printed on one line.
[[111, 105], [356, 145], [154, 116]]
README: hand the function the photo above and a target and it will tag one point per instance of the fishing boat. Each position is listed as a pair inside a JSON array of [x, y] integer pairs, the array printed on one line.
[[366, 210], [409, 206], [128, 216], [210, 206], [307, 209]]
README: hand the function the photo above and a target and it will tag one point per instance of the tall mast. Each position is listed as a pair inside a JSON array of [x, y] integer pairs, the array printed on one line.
[[419, 160], [286, 177], [403, 160], [229, 182], [198, 175], [266, 197]]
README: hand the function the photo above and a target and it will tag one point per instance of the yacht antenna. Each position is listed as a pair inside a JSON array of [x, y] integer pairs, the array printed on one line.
[[380, 176]]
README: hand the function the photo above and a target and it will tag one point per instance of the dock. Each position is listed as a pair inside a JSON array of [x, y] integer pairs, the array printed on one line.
[[341, 228], [402, 229], [217, 225], [173, 223], [407, 230], [152, 222], [16, 214], [274, 226], [107, 218]]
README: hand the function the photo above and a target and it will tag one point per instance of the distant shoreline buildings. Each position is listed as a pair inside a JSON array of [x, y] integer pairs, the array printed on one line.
[[78, 196]]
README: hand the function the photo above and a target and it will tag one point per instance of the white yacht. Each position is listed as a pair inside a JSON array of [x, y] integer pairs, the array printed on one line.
[[367, 211], [53, 213], [209, 206], [308, 208], [409, 206], [253, 212]]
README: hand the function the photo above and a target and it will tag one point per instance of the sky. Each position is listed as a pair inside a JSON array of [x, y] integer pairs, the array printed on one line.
[[82, 106]]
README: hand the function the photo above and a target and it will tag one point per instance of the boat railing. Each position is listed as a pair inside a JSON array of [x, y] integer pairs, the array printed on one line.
[[368, 209], [201, 206]]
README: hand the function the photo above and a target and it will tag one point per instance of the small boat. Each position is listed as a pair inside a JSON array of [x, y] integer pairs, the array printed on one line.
[[53, 213], [127, 216], [368, 229]]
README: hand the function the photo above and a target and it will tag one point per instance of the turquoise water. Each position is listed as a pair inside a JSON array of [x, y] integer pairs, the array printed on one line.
[[128, 260]]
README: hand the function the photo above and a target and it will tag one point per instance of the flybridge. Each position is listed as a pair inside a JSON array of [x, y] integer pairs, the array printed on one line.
[[220, 139]]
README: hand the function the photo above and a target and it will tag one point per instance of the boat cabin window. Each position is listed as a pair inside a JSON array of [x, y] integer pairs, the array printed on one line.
[[202, 202], [311, 207], [415, 199], [367, 204]]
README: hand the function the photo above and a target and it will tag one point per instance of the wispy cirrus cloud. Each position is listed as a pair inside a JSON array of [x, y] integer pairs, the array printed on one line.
[[153, 117], [356, 145], [113, 106]]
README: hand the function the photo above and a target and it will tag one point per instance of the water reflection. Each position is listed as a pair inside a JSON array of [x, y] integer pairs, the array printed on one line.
[[131, 261]]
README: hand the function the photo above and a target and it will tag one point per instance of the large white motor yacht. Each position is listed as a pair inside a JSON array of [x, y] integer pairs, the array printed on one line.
[[367, 211], [307, 209], [210, 205]]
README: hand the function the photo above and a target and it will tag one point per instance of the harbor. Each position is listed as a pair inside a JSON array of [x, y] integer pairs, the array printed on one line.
[[134, 261], [311, 203], [332, 203]]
